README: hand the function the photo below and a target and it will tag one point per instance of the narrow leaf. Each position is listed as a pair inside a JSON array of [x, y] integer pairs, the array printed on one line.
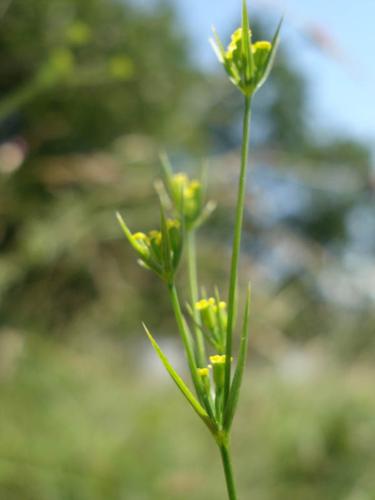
[[237, 379], [197, 407]]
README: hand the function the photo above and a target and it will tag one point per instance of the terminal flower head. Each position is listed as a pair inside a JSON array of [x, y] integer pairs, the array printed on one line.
[[248, 64]]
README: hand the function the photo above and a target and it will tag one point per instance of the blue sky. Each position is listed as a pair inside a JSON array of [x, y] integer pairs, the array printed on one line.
[[342, 79]]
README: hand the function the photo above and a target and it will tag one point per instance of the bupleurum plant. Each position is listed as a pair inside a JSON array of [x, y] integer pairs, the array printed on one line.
[[208, 327]]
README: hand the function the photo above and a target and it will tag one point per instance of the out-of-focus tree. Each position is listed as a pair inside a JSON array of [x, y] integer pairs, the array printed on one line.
[[75, 74], [84, 86]]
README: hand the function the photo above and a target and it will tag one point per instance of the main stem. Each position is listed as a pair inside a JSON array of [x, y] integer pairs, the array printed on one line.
[[193, 283], [227, 465], [237, 244]]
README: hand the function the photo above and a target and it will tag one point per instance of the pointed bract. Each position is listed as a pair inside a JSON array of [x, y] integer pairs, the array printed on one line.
[[217, 45], [237, 379], [271, 59], [197, 407]]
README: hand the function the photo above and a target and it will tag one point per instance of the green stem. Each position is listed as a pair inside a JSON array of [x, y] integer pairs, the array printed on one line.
[[228, 471], [185, 335], [237, 244], [193, 283]]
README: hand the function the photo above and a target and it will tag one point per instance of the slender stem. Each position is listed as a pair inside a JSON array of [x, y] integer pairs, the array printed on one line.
[[185, 335], [193, 283], [237, 243], [228, 471]]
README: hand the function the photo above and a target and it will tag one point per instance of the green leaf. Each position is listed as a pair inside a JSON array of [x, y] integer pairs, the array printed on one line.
[[237, 379], [271, 58], [197, 407]]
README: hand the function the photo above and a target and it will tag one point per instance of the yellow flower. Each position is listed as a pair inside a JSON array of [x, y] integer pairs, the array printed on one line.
[[218, 359], [201, 305], [203, 372], [140, 237]]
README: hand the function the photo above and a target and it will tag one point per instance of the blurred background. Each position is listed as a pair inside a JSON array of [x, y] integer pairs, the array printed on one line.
[[90, 92]]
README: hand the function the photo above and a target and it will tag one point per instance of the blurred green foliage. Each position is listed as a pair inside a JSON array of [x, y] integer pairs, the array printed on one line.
[[79, 73], [96, 428]]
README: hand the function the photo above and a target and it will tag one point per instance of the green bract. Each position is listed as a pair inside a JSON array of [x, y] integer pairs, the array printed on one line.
[[247, 64]]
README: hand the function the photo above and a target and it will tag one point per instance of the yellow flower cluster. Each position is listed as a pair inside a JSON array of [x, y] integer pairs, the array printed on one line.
[[247, 64], [203, 304], [154, 237], [213, 316]]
